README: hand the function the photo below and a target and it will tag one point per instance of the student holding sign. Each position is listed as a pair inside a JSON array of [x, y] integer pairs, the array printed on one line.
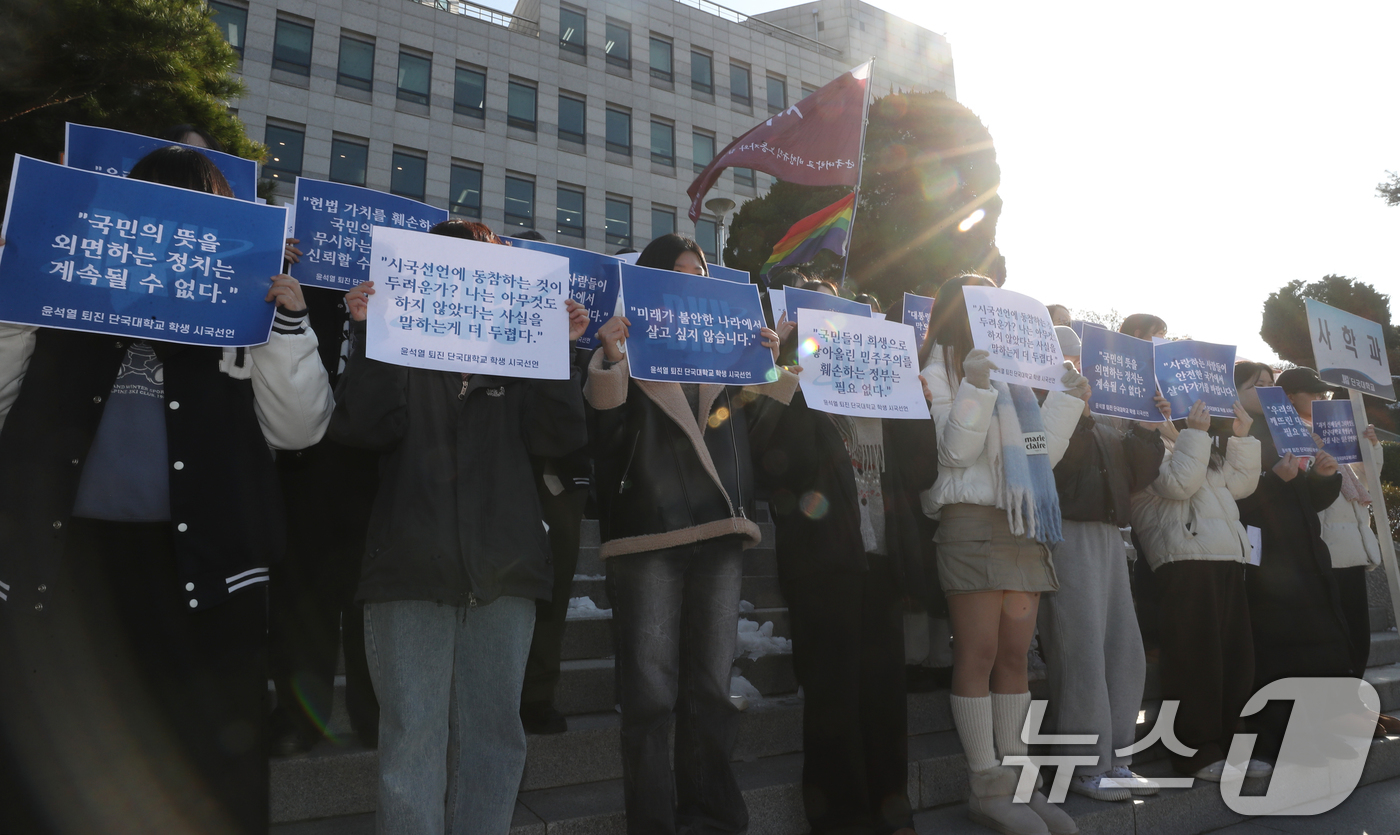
[[999, 515], [673, 463], [139, 511], [456, 557]]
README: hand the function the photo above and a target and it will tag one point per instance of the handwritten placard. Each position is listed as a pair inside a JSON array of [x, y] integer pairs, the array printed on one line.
[[1016, 330], [1188, 370], [1289, 432], [1335, 423], [859, 366], [1349, 350], [1119, 370], [333, 222]]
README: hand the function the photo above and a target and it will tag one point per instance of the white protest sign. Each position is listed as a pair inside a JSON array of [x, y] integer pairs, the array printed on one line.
[[777, 303], [1349, 350], [859, 366], [1017, 331], [455, 305]]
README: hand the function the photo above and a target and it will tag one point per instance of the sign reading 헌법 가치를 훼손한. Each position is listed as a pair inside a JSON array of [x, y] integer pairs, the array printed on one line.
[[859, 366], [333, 224], [594, 280], [1119, 370], [114, 152], [451, 304], [1018, 333], [1335, 423], [694, 329], [1349, 350], [102, 254], [1287, 429], [1188, 370]]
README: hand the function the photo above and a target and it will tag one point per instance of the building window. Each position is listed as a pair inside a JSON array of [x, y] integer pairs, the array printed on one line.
[[618, 45], [663, 222], [409, 174], [232, 21], [572, 125], [349, 160], [291, 47], [469, 93], [777, 95], [573, 31], [661, 60], [663, 144], [745, 177], [704, 150], [619, 131], [356, 67], [739, 87], [618, 222], [702, 73], [568, 214], [520, 105], [707, 235], [464, 196], [808, 90], [415, 77], [283, 153], [520, 203]]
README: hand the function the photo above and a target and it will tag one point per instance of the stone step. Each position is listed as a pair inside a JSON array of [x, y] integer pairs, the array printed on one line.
[[592, 637], [762, 590], [586, 685], [758, 562]]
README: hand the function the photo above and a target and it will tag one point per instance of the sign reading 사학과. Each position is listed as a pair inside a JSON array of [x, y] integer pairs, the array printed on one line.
[[1349, 350]]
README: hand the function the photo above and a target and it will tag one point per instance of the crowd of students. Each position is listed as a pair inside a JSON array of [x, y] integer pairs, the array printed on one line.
[[181, 522]]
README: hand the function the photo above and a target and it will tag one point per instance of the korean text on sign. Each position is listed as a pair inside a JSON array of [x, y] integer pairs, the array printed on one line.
[[1188, 371], [917, 310], [593, 282], [92, 252], [1016, 330], [1349, 350], [114, 152], [457, 305], [333, 222], [1289, 432], [1119, 370], [694, 329], [857, 365], [1335, 423]]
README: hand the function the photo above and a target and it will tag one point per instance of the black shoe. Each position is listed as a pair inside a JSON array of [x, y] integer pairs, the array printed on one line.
[[543, 720]]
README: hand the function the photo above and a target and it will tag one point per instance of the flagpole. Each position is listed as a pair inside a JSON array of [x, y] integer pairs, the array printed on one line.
[[860, 168]]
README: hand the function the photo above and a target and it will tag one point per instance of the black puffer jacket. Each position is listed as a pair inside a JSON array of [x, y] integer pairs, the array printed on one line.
[[1103, 466], [668, 476], [457, 519]]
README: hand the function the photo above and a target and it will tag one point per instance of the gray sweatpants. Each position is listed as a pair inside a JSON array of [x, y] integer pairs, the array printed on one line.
[[1089, 634]]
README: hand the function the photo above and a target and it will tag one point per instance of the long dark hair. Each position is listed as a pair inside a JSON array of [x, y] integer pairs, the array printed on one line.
[[466, 229], [1142, 325], [183, 168], [177, 133], [662, 253], [948, 325]]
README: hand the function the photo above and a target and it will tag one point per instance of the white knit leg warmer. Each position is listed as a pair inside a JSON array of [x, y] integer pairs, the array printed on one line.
[[973, 719]]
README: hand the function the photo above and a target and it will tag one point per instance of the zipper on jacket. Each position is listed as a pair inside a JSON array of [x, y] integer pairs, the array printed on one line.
[[626, 471], [471, 600], [462, 395], [734, 448]]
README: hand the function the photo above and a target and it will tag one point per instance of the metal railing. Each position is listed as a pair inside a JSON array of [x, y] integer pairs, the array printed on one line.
[[761, 25], [522, 25]]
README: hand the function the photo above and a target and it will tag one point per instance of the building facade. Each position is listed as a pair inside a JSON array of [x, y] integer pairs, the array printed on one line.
[[585, 121]]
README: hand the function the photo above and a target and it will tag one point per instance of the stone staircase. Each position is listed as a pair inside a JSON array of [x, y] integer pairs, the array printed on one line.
[[572, 782]]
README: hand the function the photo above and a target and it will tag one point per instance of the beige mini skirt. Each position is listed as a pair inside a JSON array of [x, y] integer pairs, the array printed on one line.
[[978, 552]]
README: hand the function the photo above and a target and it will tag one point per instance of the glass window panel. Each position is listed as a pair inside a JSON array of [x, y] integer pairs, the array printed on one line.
[[520, 106], [702, 72], [618, 222], [704, 150], [469, 94], [707, 235], [739, 83], [661, 59], [232, 21], [408, 175], [572, 124], [573, 31], [569, 212], [520, 203], [663, 144], [745, 177], [291, 48], [415, 77], [284, 146], [356, 67], [348, 162], [663, 222], [464, 197], [777, 94], [619, 131], [619, 45]]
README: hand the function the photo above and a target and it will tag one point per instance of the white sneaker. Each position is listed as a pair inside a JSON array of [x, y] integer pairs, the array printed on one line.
[[1137, 784], [1255, 768], [1090, 785]]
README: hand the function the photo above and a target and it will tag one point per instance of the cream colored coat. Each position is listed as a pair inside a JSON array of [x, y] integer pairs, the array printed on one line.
[[1346, 528]]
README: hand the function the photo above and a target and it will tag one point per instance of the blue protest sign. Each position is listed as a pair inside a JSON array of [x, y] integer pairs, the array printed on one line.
[[1289, 432], [795, 300], [333, 223], [728, 273], [1335, 422], [115, 151], [1188, 371], [693, 329], [91, 252], [1119, 370], [1079, 325], [593, 283], [917, 310]]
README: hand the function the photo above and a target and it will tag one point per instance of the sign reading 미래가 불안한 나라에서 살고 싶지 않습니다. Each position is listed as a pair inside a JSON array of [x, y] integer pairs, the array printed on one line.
[[114, 152], [451, 304], [694, 329], [1188, 370], [1335, 423], [333, 222], [594, 280], [859, 366], [1018, 333], [1349, 351], [916, 313], [1287, 429], [1119, 370], [102, 254]]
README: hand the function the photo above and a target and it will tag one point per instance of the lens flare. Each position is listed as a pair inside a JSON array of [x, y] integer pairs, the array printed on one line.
[[720, 416], [814, 505], [810, 346], [972, 220]]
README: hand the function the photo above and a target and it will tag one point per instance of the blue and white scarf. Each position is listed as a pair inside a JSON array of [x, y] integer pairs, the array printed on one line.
[[1027, 481]]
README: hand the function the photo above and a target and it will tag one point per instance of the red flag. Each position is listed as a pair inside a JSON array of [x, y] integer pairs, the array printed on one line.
[[815, 142]]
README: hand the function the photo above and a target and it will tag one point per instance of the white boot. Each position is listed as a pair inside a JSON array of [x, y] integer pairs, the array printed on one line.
[[991, 803]]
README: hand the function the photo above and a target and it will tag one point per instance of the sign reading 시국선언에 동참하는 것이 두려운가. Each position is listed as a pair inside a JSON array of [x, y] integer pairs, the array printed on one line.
[[1018, 333], [103, 254], [859, 366]]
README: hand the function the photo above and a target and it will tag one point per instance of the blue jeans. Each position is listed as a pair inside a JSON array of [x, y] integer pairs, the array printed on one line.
[[436, 666], [676, 614]]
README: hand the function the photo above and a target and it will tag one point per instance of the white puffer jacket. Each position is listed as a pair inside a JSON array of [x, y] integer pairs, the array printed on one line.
[[1189, 512], [1346, 527], [969, 437]]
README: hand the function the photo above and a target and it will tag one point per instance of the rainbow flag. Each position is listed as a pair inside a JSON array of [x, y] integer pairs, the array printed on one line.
[[827, 229]]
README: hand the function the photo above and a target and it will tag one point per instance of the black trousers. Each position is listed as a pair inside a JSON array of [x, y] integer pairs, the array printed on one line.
[[848, 652], [562, 513], [1207, 654], [124, 711], [328, 490], [1356, 609]]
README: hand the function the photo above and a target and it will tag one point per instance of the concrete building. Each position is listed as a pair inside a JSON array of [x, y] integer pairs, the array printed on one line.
[[585, 120]]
